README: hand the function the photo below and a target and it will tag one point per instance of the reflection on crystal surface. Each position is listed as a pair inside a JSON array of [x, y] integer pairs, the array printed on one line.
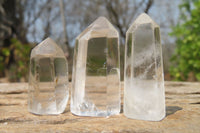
[[143, 82], [96, 75], [48, 79]]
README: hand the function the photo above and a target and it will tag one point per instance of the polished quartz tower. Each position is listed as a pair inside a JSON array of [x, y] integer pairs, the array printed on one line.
[[144, 94], [48, 79], [96, 73]]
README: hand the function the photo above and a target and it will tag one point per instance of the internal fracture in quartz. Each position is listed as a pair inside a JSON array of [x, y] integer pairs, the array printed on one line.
[[144, 94], [96, 73], [48, 79]]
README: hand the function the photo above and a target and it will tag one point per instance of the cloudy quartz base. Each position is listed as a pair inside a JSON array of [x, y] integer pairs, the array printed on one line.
[[144, 94]]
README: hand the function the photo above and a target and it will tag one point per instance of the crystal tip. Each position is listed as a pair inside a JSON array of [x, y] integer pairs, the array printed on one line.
[[48, 39], [101, 21], [102, 18], [47, 47], [144, 18]]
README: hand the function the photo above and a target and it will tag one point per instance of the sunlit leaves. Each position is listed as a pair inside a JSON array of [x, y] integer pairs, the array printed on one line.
[[187, 35]]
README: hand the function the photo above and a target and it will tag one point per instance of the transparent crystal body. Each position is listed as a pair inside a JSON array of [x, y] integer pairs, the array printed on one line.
[[144, 93], [96, 72], [48, 79]]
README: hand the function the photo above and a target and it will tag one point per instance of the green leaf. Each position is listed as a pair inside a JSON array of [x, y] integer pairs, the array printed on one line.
[[187, 53]]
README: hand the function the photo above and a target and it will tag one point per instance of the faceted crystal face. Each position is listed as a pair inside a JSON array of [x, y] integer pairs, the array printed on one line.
[[48, 79], [144, 95], [96, 74]]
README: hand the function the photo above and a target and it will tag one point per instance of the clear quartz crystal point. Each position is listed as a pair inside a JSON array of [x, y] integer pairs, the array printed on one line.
[[96, 73], [144, 93], [48, 79]]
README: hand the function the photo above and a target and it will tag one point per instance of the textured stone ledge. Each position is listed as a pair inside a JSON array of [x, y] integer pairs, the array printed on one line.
[[182, 107]]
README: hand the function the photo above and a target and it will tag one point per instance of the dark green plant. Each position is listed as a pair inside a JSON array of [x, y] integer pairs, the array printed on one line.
[[21, 54], [4, 60], [187, 33], [15, 60]]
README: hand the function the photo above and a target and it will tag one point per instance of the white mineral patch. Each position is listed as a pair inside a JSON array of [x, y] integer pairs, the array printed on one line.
[[144, 95]]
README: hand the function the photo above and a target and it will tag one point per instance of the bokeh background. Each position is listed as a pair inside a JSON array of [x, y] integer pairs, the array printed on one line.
[[25, 23]]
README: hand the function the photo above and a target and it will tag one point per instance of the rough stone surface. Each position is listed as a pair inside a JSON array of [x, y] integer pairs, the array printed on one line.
[[182, 108]]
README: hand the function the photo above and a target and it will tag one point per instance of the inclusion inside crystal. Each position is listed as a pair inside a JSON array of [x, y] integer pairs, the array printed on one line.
[[143, 82], [48, 79]]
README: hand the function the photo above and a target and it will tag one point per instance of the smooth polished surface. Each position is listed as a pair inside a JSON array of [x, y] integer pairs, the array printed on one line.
[[144, 92], [48, 79], [182, 114], [96, 72]]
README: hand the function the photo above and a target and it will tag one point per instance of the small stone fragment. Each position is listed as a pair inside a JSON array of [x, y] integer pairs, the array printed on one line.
[[48, 79]]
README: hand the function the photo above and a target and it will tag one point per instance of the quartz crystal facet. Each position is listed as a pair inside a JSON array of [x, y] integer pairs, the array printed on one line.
[[96, 74], [48, 79], [144, 94]]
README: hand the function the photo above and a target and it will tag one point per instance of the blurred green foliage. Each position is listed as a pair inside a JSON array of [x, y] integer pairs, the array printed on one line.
[[187, 33], [14, 60]]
